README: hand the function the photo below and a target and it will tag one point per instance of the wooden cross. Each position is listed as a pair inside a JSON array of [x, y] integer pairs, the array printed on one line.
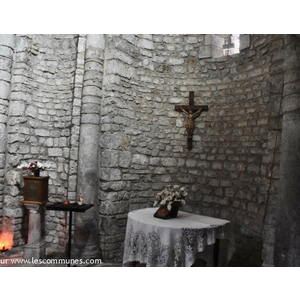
[[192, 111]]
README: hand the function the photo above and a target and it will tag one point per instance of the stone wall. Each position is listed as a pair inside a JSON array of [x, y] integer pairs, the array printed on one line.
[[70, 93], [143, 141], [271, 159], [39, 123], [286, 246], [7, 43]]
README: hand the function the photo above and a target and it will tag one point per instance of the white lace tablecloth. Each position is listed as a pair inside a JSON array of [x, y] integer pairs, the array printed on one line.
[[175, 242]]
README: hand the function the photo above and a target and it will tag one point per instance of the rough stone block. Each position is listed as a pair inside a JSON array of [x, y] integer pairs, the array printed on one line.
[[191, 163], [125, 159], [4, 89], [16, 212], [17, 108], [14, 177], [176, 61], [95, 41], [110, 174], [191, 39], [113, 208], [57, 152], [205, 52], [144, 43], [42, 132], [140, 159], [244, 41], [7, 40]]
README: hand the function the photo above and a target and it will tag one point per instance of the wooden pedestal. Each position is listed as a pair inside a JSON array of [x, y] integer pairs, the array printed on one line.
[[36, 189]]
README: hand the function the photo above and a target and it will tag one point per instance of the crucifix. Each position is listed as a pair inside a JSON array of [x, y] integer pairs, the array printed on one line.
[[192, 111]]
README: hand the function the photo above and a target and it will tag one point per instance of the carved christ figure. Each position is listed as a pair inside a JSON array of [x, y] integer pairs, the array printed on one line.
[[190, 120]]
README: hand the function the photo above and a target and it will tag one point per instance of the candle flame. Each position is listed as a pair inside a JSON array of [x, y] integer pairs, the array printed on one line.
[[80, 197]]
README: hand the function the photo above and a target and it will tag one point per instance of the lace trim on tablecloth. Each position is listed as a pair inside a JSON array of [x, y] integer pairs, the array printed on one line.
[[148, 248]]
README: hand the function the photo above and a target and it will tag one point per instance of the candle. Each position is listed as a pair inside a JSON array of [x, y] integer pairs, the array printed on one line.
[[80, 199]]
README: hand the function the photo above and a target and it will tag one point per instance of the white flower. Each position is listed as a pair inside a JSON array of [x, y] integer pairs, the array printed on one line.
[[171, 195], [23, 165], [40, 165], [32, 166]]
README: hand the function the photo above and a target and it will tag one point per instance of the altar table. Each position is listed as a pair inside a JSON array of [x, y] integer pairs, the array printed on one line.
[[176, 242]]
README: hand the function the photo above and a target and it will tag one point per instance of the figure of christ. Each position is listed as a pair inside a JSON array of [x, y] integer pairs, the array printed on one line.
[[190, 120]]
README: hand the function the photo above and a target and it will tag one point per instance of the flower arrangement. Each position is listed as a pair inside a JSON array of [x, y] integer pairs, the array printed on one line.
[[171, 195], [32, 167]]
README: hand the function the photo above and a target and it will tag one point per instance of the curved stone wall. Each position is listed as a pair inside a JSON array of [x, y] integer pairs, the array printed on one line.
[[107, 104], [143, 140]]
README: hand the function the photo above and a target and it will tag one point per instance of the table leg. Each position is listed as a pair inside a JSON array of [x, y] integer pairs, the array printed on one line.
[[216, 252], [70, 239]]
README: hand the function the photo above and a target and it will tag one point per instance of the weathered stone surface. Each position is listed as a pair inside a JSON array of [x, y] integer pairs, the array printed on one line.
[[100, 108], [286, 252], [14, 177], [140, 159]]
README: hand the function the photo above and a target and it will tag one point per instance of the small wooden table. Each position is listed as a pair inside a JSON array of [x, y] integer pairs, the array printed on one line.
[[70, 208]]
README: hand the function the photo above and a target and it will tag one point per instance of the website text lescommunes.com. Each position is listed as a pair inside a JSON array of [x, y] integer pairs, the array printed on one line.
[[48, 261]]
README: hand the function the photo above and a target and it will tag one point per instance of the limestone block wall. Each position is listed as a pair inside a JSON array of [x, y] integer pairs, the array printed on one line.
[[228, 173], [39, 123], [100, 111], [7, 43], [271, 159]]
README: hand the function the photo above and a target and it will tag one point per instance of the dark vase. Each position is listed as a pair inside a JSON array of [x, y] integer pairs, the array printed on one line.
[[36, 173], [164, 213]]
